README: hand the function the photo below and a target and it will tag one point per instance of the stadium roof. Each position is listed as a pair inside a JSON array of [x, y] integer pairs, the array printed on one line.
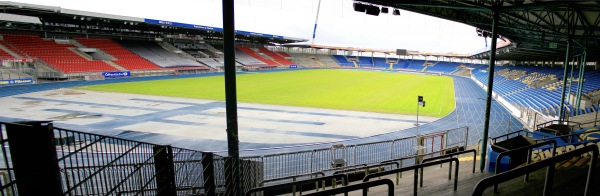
[[537, 29], [56, 14]]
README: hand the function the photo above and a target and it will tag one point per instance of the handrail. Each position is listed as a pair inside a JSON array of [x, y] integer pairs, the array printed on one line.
[[355, 187], [450, 167], [367, 167], [154, 189], [508, 134], [590, 122], [295, 183], [550, 163], [528, 148], [294, 176], [416, 172], [572, 134], [559, 122], [524, 148], [454, 154], [373, 166]]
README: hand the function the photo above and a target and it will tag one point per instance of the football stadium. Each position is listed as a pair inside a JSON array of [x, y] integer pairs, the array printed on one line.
[[111, 104]]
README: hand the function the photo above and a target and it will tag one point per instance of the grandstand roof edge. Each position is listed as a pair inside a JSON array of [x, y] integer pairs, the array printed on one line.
[[218, 29], [137, 19], [409, 52]]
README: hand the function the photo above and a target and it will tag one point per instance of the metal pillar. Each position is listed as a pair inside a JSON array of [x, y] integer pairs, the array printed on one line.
[[582, 63], [34, 159], [165, 171], [572, 64], [488, 101], [316, 20], [232, 177], [564, 86]]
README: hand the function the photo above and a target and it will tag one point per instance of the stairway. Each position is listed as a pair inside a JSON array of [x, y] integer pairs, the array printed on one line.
[[355, 64], [391, 66], [12, 53], [406, 64], [82, 54], [181, 53], [319, 62], [115, 65]]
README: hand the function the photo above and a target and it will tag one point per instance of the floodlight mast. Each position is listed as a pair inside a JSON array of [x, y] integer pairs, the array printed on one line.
[[316, 20]]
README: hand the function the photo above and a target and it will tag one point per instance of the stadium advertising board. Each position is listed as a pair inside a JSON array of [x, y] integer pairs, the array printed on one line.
[[17, 81], [542, 154], [18, 60], [293, 66], [116, 74]]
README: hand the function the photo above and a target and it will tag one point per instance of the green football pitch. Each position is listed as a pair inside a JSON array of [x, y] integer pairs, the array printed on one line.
[[369, 91]]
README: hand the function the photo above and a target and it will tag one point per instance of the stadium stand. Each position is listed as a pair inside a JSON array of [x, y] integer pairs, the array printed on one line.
[[247, 60], [442, 66], [416, 65], [342, 60], [283, 54], [211, 62], [276, 56], [125, 58], [4, 54], [57, 55], [9, 47], [522, 85], [302, 60], [326, 60], [156, 54], [250, 52]]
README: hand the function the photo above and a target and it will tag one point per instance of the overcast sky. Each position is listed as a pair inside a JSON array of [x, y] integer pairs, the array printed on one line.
[[338, 25]]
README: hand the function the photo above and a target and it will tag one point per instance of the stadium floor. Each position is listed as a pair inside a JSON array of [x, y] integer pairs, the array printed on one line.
[[200, 125]]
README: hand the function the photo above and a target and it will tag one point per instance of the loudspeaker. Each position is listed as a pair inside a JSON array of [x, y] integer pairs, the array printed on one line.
[[373, 10], [384, 10], [360, 7], [485, 34], [396, 12]]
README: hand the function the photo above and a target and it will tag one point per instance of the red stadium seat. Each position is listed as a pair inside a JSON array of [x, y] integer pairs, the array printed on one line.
[[125, 58], [56, 55], [251, 52]]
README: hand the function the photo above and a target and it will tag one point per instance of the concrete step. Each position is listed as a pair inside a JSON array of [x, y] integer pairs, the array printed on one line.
[[14, 54], [82, 54], [115, 65]]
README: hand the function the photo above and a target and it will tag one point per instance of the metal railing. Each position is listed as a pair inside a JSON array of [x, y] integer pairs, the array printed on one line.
[[416, 172], [8, 183], [281, 165], [355, 187], [550, 164], [90, 164], [570, 135], [450, 166], [299, 184], [519, 150], [507, 136]]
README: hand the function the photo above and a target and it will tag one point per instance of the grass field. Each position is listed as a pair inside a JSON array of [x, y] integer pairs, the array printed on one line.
[[382, 92]]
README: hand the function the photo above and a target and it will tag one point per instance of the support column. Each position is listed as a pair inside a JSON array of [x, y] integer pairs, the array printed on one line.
[[582, 63], [232, 180], [165, 171], [488, 101], [561, 110], [569, 101], [34, 160], [208, 172]]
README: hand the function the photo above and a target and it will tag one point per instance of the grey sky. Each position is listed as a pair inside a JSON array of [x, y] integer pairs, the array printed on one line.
[[339, 24]]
